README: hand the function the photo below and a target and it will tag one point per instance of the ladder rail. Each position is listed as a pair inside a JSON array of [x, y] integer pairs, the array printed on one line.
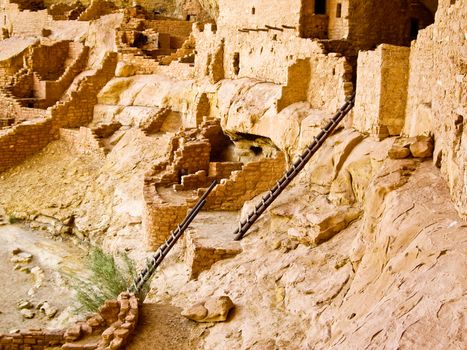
[[145, 275], [294, 170]]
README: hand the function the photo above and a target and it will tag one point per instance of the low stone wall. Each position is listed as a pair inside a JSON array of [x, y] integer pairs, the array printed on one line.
[[179, 30], [97, 9], [160, 219], [254, 179], [82, 141], [115, 323], [36, 339], [24, 140]]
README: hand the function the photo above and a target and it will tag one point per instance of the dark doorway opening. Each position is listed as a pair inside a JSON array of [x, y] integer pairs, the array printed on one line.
[[320, 7], [414, 28]]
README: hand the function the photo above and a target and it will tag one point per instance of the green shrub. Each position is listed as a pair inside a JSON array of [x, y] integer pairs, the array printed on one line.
[[106, 281], [13, 219]]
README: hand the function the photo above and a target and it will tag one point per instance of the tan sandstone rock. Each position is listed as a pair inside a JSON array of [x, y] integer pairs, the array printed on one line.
[[214, 309], [422, 147]]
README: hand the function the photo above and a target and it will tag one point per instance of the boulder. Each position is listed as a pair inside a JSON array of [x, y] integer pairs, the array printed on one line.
[[398, 152], [422, 147], [27, 313], [21, 258], [214, 309]]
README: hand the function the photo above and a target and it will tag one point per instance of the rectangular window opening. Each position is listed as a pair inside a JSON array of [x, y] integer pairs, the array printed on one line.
[[339, 10]]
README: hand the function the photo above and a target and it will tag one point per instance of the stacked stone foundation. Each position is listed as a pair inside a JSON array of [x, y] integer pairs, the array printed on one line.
[[110, 328]]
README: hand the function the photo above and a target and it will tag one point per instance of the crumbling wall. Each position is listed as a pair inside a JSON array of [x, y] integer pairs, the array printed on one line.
[[23, 23], [257, 14], [179, 30], [24, 140], [330, 82], [437, 96], [109, 328], [82, 141], [48, 60], [77, 109], [97, 9], [10, 64], [263, 55], [382, 78], [38, 339], [55, 89], [253, 179]]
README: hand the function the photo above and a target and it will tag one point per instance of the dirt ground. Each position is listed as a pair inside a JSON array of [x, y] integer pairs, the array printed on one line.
[[55, 258], [161, 327]]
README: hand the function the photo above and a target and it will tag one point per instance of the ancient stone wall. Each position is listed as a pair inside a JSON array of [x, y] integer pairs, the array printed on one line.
[[253, 179], [371, 24], [179, 30], [64, 11], [168, 185], [109, 328], [251, 54], [33, 339], [96, 9], [24, 140], [382, 78], [256, 14], [82, 141], [77, 109], [22, 23], [437, 97], [330, 82], [48, 59], [10, 65], [55, 89]]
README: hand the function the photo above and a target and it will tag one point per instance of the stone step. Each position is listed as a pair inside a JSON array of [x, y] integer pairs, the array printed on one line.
[[209, 240]]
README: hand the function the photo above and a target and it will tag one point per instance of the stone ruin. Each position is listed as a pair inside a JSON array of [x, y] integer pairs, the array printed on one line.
[[238, 97]]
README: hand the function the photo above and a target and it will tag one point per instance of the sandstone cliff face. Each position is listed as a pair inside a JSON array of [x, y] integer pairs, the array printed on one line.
[[378, 276]]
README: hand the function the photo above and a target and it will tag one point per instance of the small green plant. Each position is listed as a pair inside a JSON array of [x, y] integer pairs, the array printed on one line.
[[13, 219], [106, 281]]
